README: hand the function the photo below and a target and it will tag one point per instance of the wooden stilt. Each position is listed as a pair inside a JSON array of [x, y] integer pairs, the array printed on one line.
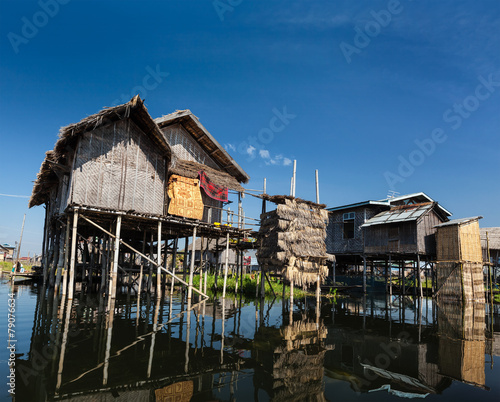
[[419, 278], [141, 272], [66, 252], [202, 261], [191, 269], [114, 270], [226, 266], [364, 274], [71, 283], [158, 269]]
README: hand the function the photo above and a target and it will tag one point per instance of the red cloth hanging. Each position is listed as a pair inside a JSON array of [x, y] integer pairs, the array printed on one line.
[[212, 190]]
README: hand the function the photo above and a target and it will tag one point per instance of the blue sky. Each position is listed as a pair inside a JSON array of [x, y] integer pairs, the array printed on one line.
[[378, 96]]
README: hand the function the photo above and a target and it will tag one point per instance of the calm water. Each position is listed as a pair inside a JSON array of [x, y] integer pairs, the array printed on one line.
[[371, 349]]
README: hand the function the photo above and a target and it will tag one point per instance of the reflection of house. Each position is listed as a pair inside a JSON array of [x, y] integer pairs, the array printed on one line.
[[462, 341], [401, 226], [372, 361]]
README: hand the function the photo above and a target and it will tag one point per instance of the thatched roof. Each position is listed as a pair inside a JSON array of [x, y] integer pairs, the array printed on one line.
[[281, 199], [68, 137], [292, 238], [190, 169], [194, 127]]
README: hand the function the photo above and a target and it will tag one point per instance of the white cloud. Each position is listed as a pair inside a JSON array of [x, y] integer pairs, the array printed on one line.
[[230, 147], [264, 153], [250, 150], [287, 162]]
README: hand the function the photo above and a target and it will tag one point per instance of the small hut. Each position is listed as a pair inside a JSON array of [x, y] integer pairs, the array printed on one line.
[[292, 239], [460, 260]]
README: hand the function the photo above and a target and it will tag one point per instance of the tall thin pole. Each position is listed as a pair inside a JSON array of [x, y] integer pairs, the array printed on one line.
[[265, 185], [294, 176], [116, 247], [191, 268], [71, 281], [18, 253], [226, 266], [317, 187], [66, 251], [158, 268]]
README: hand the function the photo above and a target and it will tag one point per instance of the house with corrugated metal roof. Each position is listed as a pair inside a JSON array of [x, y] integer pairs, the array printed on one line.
[[402, 226]]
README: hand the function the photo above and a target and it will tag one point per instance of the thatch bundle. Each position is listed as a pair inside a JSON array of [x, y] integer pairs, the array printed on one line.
[[292, 239]]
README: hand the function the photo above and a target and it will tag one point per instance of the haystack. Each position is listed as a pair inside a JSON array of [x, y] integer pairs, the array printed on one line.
[[292, 239]]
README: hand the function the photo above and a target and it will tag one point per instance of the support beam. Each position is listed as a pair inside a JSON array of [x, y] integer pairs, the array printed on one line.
[[116, 254], [226, 265], [158, 268], [71, 283], [191, 268], [66, 252]]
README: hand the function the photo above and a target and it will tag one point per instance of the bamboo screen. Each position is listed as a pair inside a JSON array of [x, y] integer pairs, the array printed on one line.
[[118, 167]]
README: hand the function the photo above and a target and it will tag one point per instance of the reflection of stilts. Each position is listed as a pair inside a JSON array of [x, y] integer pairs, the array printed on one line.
[[153, 337], [109, 324], [63, 345]]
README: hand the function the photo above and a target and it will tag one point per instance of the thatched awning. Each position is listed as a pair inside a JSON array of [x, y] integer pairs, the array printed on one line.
[[190, 169], [68, 138]]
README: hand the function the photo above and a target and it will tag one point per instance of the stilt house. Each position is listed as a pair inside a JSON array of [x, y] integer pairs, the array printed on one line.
[[135, 178]]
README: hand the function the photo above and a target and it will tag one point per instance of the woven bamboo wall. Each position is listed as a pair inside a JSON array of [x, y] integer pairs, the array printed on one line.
[[185, 147], [460, 268], [118, 167], [470, 242], [459, 242]]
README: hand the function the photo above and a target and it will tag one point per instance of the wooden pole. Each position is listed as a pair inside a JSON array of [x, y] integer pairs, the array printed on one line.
[[116, 254], [158, 268], [317, 187], [18, 252], [71, 282], [390, 275], [66, 252], [490, 279], [191, 269], [226, 265], [364, 274], [419, 278]]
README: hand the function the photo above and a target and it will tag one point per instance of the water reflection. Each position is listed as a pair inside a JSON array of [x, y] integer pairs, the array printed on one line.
[[237, 349]]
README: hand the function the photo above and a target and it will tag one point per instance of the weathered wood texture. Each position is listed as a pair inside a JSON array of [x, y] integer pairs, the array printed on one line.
[[118, 167], [460, 262], [335, 241], [413, 237]]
